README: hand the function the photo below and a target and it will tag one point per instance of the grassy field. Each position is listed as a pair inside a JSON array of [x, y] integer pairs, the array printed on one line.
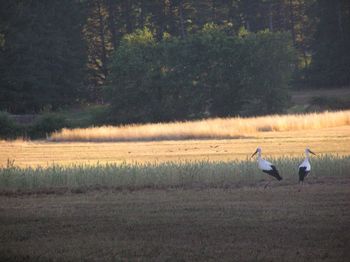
[[171, 200], [194, 174], [217, 128], [235, 224], [334, 140]]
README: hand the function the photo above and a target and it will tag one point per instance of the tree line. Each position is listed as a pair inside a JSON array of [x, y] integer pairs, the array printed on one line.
[[210, 73], [59, 53]]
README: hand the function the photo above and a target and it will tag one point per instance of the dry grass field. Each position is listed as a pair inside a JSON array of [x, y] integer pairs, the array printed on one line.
[[212, 140], [335, 140], [237, 224], [176, 200], [217, 128]]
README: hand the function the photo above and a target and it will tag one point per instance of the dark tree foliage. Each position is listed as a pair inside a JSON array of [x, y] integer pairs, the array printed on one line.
[[181, 18], [330, 64], [210, 73], [43, 58], [60, 52]]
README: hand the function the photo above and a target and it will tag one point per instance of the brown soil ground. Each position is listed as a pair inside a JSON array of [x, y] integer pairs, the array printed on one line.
[[280, 223]]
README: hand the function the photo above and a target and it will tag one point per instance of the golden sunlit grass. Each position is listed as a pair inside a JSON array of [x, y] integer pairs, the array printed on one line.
[[164, 175], [308, 130], [335, 140], [220, 128]]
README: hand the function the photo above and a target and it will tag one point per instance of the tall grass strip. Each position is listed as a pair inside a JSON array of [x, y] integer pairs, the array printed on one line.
[[205, 129], [165, 175]]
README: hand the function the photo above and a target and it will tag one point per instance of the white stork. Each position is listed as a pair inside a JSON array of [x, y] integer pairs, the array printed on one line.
[[305, 167], [266, 166]]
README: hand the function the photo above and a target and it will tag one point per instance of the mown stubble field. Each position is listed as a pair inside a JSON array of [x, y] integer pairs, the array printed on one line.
[[238, 224], [335, 140]]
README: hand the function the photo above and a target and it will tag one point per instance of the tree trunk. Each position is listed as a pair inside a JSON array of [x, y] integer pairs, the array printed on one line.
[[231, 12], [181, 16], [102, 37], [247, 24], [213, 11], [292, 20], [112, 26], [127, 12], [270, 18], [302, 34], [339, 18], [142, 14], [160, 20]]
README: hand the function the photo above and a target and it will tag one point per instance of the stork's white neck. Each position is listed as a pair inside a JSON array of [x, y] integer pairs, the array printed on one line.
[[259, 154], [307, 154]]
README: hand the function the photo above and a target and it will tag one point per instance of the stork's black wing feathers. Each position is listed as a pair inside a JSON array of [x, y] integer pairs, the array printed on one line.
[[302, 173], [273, 172]]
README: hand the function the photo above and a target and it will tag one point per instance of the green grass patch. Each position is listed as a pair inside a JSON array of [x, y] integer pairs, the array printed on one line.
[[164, 175]]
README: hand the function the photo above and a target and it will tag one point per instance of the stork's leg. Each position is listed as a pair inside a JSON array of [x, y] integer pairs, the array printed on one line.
[[301, 183], [267, 184]]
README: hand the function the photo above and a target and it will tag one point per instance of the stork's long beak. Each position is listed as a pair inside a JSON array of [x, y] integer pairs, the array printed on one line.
[[312, 152], [254, 153]]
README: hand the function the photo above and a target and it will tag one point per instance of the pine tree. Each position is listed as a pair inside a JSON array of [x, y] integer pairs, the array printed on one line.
[[43, 58]]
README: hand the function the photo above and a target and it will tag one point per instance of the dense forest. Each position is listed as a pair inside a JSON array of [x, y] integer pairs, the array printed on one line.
[[161, 60]]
